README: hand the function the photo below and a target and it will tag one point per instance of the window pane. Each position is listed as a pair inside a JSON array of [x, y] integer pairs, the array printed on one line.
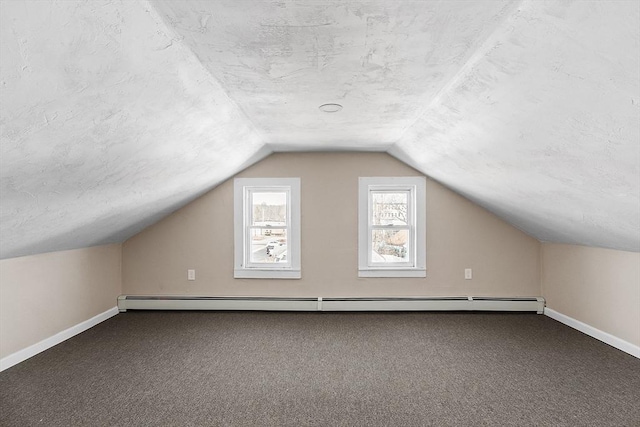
[[269, 208], [389, 208], [268, 245], [390, 246]]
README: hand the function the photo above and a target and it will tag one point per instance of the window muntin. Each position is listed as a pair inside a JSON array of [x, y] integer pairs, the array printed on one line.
[[267, 227], [391, 227]]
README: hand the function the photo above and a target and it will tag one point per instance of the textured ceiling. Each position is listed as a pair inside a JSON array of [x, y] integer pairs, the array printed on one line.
[[115, 113]]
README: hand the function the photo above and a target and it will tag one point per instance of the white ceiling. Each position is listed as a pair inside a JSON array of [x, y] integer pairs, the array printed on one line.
[[115, 113]]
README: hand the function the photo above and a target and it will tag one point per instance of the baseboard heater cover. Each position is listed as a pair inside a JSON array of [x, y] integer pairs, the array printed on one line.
[[137, 302]]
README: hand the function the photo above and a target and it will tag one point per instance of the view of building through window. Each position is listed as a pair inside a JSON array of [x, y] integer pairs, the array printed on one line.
[[268, 229], [390, 226]]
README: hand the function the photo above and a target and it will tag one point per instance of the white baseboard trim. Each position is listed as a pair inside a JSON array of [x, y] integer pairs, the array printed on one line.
[[32, 350], [605, 337]]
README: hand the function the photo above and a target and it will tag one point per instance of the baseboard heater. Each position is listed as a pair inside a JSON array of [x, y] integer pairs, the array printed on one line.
[[136, 302]]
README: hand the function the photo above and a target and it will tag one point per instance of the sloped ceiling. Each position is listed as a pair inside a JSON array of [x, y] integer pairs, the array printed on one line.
[[115, 113]]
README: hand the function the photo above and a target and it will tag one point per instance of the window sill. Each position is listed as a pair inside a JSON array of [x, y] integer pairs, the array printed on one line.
[[398, 272], [256, 273]]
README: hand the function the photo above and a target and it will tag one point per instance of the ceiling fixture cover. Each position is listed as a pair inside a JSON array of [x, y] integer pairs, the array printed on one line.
[[330, 108]]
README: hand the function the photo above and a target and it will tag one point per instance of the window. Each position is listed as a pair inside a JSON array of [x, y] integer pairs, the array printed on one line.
[[267, 228], [391, 227]]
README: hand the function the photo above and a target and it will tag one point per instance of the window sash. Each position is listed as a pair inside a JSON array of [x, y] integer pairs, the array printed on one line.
[[272, 264], [287, 264], [373, 189], [248, 207], [416, 212], [248, 220], [410, 225]]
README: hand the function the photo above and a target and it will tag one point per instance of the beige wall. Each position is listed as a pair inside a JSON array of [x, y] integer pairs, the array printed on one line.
[[44, 294], [505, 261], [599, 287]]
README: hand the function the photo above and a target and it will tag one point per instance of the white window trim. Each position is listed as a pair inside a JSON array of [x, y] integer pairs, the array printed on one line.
[[241, 187], [417, 188]]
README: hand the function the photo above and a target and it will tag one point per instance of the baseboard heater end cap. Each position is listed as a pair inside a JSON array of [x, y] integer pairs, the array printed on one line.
[[122, 303]]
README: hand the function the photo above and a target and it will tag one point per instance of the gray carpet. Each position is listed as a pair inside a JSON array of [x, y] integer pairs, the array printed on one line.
[[325, 369]]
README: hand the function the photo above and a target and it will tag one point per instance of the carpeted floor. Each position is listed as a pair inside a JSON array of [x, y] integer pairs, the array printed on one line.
[[325, 369]]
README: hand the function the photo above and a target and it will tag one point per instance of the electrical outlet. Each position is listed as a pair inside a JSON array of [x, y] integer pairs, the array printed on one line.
[[468, 274], [191, 275]]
